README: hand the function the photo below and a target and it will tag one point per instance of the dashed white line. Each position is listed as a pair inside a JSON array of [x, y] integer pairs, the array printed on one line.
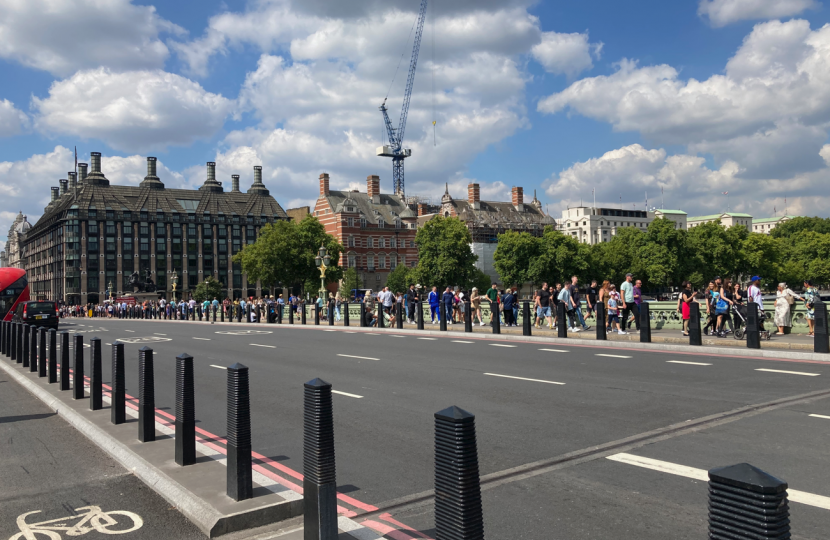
[[159, 334], [689, 363], [459, 341], [789, 372], [358, 357], [258, 345], [202, 338], [523, 379], [346, 394], [612, 355], [820, 416], [428, 338], [395, 335], [500, 345], [795, 495], [329, 330], [133, 331], [554, 350], [218, 367]]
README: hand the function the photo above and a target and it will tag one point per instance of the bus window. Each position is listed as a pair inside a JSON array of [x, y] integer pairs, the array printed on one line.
[[10, 294]]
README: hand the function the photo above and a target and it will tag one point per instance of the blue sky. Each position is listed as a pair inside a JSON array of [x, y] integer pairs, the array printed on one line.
[[691, 97]]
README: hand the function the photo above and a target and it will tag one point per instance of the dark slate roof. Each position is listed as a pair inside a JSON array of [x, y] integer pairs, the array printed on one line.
[[501, 214], [151, 197], [390, 208]]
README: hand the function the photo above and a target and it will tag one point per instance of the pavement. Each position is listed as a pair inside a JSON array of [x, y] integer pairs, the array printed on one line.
[[575, 441]]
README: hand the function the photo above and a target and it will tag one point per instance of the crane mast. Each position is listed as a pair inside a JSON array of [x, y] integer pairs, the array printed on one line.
[[395, 149]]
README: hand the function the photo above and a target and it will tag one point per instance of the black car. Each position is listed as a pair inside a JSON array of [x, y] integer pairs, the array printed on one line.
[[39, 313]]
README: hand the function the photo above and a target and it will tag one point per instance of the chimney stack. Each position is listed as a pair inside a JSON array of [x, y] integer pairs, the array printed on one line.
[[373, 186], [82, 173], [324, 185], [151, 166], [54, 193], [518, 198], [258, 187], [211, 171], [95, 157], [151, 180], [474, 196], [210, 182], [64, 185], [422, 209], [257, 174], [235, 183], [73, 182]]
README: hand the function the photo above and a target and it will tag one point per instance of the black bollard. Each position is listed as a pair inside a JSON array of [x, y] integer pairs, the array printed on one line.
[[468, 316], [96, 389], [290, 314], [362, 315], [746, 502], [240, 472], [78, 368], [563, 320], [146, 396], [419, 315], [645, 323], [280, 313], [495, 318], [118, 411], [399, 315], [753, 326], [381, 322], [303, 315], [185, 411], [33, 365], [442, 317], [602, 321], [13, 343], [64, 361], [52, 372], [331, 312], [458, 513], [694, 324], [221, 314], [319, 482], [345, 308], [214, 310], [3, 337], [26, 330], [316, 314], [821, 343], [42, 357], [526, 324]]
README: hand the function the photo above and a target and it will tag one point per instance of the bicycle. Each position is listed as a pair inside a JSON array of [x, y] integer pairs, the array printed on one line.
[[93, 520]]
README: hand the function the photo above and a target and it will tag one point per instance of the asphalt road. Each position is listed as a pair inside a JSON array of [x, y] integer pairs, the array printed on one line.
[[393, 384]]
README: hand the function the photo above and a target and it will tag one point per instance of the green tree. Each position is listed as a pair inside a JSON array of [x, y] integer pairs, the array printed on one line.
[[560, 257], [208, 290], [285, 251], [619, 256], [444, 254], [715, 251], [798, 224], [351, 281], [398, 280], [514, 255], [761, 255], [480, 280]]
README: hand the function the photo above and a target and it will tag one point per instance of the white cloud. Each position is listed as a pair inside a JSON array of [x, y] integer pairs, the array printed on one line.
[[566, 54], [724, 12], [131, 170], [132, 111], [12, 120], [62, 36]]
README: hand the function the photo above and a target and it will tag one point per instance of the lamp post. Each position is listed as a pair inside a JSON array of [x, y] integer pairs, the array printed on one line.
[[174, 278], [322, 261], [109, 290]]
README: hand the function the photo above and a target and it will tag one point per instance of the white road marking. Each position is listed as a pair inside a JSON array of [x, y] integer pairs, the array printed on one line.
[[218, 367], [428, 338], [133, 331], [159, 334], [689, 363], [350, 332], [820, 416], [554, 350], [329, 330], [268, 346], [523, 379], [612, 355], [499, 345], [459, 341], [789, 372], [202, 338], [359, 357], [802, 497], [346, 394], [395, 335]]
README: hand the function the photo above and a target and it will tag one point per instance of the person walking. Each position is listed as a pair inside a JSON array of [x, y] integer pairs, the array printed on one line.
[[576, 302], [493, 296], [602, 297], [554, 305], [449, 301], [564, 297], [411, 298], [753, 294], [475, 306], [613, 306], [811, 296], [544, 305], [628, 305], [591, 300], [434, 303], [727, 294], [507, 300], [784, 302], [684, 305]]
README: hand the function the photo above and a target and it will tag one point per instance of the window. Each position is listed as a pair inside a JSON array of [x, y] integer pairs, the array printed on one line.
[[411, 244], [351, 241], [393, 242], [92, 228], [144, 228], [351, 261], [370, 261], [381, 224], [161, 229], [382, 242], [393, 261], [382, 262], [363, 222], [350, 221]]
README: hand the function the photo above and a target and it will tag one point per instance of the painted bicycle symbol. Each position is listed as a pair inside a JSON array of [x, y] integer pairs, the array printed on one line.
[[113, 522]]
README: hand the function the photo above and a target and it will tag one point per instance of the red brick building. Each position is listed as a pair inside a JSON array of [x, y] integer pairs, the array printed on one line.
[[377, 230]]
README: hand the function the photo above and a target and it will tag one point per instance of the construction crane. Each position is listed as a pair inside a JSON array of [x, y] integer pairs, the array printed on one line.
[[395, 148]]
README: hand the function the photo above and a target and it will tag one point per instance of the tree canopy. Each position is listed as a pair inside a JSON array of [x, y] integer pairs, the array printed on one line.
[[444, 254], [208, 290]]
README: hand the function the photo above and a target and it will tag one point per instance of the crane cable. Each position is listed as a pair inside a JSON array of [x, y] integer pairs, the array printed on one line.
[[432, 23]]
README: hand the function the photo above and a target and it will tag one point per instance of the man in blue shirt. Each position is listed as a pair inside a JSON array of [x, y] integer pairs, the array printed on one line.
[[448, 299], [434, 302]]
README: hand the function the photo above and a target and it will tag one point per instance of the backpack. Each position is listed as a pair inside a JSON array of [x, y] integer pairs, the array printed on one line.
[[721, 307]]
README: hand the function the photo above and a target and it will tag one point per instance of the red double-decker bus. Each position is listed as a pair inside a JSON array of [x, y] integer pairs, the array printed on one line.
[[14, 288]]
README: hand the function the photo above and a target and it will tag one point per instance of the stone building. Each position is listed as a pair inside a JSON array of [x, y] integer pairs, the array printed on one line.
[[592, 225], [93, 234], [13, 253], [377, 230], [486, 220], [727, 219], [765, 225]]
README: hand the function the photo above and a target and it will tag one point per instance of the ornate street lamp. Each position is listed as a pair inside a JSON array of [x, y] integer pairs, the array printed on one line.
[[322, 260], [109, 290], [174, 279]]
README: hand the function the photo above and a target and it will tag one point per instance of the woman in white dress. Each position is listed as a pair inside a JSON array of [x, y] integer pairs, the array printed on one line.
[[784, 302]]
